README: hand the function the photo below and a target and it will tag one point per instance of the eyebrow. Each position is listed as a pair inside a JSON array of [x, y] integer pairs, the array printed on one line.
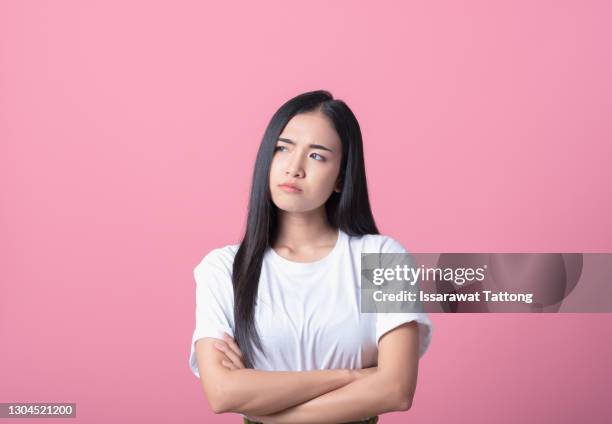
[[314, 146]]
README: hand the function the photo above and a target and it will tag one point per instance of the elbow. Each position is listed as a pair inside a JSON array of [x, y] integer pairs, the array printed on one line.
[[403, 398], [217, 408], [217, 403], [219, 400], [404, 403]]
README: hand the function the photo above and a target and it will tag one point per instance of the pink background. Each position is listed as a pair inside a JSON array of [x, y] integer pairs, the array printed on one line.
[[128, 133]]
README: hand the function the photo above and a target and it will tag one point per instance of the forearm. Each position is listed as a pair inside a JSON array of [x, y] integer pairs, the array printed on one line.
[[363, 398], [256, 392]]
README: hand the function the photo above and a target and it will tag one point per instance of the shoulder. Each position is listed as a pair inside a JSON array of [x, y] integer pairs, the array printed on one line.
[[378, 243], [219, 260]]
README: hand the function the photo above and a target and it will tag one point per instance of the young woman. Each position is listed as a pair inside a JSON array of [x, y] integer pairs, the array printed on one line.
[[279, 336]]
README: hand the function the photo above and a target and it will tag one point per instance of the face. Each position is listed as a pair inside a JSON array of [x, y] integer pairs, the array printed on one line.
[[308, 155]]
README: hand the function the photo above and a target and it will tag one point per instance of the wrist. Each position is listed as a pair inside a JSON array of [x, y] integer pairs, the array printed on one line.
[[352, 375]]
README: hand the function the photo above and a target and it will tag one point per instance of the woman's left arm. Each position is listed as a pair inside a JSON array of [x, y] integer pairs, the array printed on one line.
[[390, 388]]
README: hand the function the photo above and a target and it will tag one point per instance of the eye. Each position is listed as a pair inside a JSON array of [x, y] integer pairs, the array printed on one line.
[[322, 158], [279, 147]]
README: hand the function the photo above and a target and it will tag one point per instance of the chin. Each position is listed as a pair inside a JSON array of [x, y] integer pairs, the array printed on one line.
[[296, 203], [292, 207], [296, 206]]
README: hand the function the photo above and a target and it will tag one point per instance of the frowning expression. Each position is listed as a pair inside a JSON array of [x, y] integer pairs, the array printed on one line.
[[306, 163]]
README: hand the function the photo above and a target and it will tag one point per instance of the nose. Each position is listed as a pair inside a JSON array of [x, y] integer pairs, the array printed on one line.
[[294, 167]]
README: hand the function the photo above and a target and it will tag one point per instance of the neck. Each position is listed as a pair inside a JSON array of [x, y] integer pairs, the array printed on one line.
[[299, 229]]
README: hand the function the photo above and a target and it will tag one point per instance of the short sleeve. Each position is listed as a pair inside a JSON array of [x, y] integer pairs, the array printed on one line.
[[386, 322], [214, 303]]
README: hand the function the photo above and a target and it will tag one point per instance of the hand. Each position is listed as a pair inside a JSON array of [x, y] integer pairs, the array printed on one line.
[[233, 355], [363, 372]]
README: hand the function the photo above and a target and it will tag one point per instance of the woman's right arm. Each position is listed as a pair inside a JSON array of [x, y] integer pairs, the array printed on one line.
[[255, 392]]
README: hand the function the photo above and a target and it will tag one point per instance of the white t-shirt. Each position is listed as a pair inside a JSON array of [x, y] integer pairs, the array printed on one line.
[[307, 314]]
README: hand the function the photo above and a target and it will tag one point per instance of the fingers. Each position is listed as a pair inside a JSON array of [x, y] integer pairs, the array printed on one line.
[[229, 353], [232, 344], [229, 364], [235, 358]]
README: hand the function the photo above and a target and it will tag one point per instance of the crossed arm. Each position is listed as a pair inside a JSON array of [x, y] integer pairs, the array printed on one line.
[[320, 396]]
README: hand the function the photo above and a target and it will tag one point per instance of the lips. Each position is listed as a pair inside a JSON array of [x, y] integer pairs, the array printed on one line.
[[292, 188]]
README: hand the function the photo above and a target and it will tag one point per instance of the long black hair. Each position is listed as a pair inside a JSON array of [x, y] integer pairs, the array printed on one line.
[[348, 210]]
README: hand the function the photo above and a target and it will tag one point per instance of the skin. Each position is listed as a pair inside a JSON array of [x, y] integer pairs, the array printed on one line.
[[373, 391], [304, 232], [318, 396]]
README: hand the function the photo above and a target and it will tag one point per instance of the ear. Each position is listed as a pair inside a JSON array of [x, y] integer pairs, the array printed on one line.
[[338, 187]]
